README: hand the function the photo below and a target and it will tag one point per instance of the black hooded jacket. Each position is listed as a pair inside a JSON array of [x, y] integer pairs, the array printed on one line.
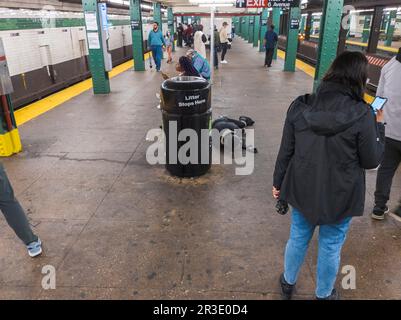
[[329, 139]]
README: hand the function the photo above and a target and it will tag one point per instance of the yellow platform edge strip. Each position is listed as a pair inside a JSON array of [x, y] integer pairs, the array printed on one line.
[[38, 108], [310, 71]]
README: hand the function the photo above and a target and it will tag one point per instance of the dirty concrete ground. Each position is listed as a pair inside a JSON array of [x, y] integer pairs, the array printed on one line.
[[115, 227]]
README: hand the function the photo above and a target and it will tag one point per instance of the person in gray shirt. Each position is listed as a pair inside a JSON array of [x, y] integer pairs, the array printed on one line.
[[390, 88]]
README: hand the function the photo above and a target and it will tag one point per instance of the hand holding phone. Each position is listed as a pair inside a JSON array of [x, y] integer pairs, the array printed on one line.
[[378, 103]]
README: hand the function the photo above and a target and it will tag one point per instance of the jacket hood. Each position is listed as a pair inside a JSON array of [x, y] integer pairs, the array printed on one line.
[[333, 109]]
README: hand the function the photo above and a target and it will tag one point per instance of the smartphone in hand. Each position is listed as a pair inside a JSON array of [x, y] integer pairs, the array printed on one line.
[[378, 103]]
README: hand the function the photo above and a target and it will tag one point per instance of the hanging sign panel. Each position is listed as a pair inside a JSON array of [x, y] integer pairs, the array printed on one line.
[[267, 3], [93, 40], [135, 25], [91, 21]]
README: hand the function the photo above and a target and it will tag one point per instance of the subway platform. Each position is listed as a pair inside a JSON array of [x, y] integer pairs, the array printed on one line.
[[115, 227]]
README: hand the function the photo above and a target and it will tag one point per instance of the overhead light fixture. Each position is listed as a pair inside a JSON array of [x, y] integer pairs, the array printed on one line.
[[211, 1], [216, 5], [146, 6]]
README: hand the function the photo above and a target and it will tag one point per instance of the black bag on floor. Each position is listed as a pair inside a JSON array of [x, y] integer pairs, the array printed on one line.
[[234, 129]]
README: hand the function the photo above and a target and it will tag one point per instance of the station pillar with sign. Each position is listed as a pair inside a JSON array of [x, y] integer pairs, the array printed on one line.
[[157, 15], [390, 27], [250, 29], [366, 28], [170, 22], [100, 63], [292, 39], [276, 24], [137, 35], [329, 37], [308, 26], [263, 28], [256, 30], [246, 28]]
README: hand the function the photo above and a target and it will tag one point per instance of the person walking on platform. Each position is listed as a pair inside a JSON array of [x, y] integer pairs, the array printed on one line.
[[224, 42], [217, 48], [15, 216], [180, 31], [157, 45], [329, 139], [169, 40], [270, 42], [389, 87], [199, 41], [189, 35]]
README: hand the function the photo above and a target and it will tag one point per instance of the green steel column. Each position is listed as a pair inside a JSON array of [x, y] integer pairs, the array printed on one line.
[[292, 41], [276, 23], [100, 77], [330, 25], [366, 29], [263, 28], [170, 23], [256, 31], [390, 28], [250, 30], [137, 35], [302, 27], [246, 28], [237, 26], [241, 26], [157, 15]]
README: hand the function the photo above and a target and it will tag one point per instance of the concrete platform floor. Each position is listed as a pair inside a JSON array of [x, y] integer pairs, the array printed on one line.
[[115, 227]]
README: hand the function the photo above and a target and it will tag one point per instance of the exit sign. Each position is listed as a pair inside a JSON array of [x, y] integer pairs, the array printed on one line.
[[267, 3], [251, 3]]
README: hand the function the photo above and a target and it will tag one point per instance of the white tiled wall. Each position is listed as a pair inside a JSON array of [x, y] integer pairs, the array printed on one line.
[[23, 51]]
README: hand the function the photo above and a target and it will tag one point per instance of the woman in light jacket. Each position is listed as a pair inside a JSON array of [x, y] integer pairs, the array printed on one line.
[[199, 42]]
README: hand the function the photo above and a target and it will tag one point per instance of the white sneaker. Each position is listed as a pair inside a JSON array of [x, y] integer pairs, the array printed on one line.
[[223, 61], [35, 248]]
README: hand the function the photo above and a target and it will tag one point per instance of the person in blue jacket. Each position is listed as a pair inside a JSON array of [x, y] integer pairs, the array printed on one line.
[[200, 63], [270, 42], [157, 44]]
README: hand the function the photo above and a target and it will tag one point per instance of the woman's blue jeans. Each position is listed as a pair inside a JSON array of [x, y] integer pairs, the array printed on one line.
[[331, 240]]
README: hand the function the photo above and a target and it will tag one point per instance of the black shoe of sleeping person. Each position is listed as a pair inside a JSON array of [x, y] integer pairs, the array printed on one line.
[[287, 289], [396, 213], [379, 213], [333, 296]]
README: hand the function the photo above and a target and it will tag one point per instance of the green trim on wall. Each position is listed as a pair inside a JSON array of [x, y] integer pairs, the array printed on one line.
[[35, 23]]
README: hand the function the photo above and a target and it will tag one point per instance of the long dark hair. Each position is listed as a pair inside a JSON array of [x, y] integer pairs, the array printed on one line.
[[399, 55], [187, 67], [351, 70]]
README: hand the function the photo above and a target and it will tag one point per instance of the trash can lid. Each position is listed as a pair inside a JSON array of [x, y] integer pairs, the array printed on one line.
[[184, 83]]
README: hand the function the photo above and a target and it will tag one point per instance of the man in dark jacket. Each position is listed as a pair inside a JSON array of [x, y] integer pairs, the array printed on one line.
[[329, 139], [270, 42], [180, 31]]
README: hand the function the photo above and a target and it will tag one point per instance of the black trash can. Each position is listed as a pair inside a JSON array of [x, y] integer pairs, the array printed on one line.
[[186, 102]]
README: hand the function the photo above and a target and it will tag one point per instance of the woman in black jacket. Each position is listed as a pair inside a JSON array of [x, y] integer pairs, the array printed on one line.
[[329, 139]]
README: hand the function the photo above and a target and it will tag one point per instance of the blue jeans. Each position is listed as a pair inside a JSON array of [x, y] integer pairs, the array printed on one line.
[[157, 53], [331, 240]]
